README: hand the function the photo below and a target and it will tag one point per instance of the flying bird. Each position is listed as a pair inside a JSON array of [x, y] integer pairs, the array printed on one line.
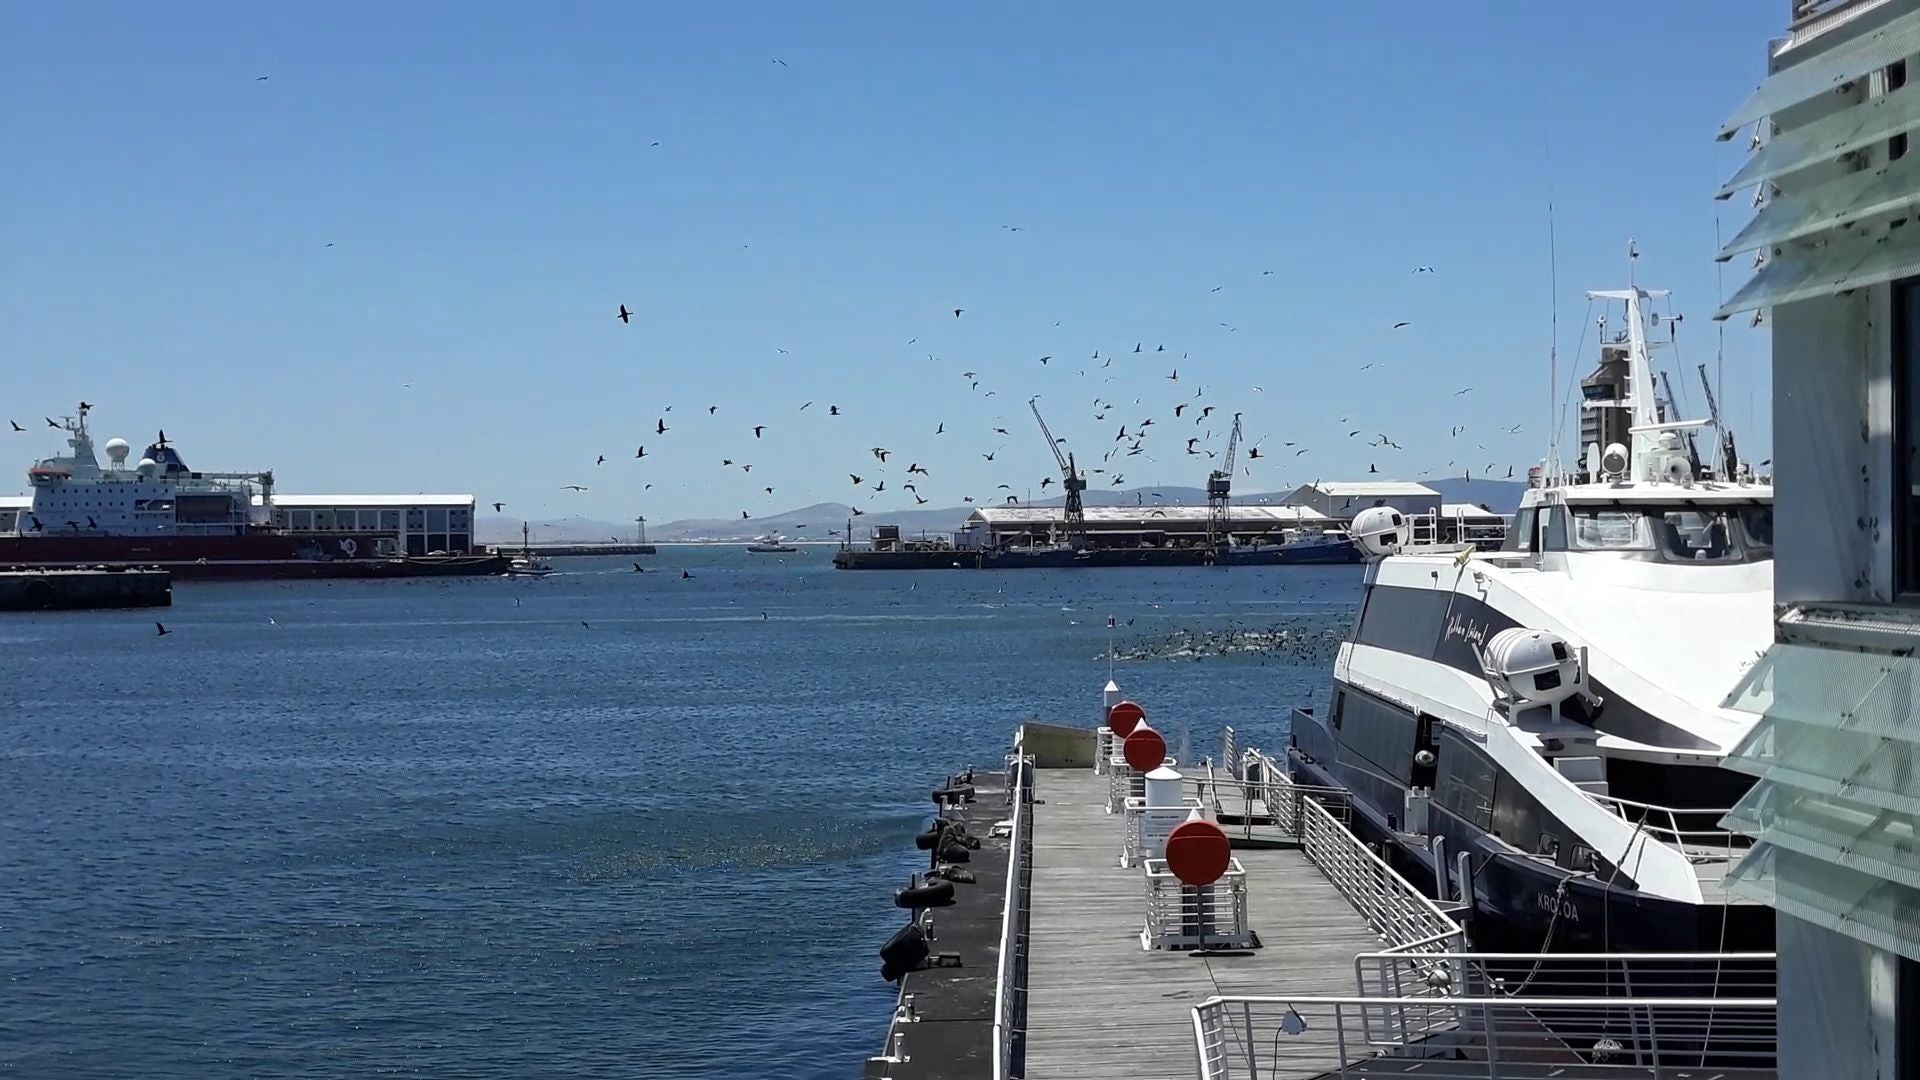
[[857, 479], [601, 460], [16, 425], [162, 628], [779, 61], [711, 409], [1044, 359], [1175, 376], [573, 487], [757, 429], [833, 410], [957, 311], [625, 315], [661, 427], [640, 453], [50, 422], [497, 507], [1423, 269], [1398, 325]]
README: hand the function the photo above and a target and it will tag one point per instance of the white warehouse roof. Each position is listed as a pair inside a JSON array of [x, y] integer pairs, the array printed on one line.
[[322, 502], [1368, 489], [1146, 515], [1469, 512], [15, 502]]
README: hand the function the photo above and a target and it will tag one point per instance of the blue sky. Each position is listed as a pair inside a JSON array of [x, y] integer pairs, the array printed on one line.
[[488, 177]]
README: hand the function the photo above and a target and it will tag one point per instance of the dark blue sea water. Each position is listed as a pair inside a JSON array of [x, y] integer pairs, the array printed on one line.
[[605, 824]]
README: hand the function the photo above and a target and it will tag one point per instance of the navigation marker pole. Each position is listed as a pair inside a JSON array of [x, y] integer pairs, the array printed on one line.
[[1110, 623]]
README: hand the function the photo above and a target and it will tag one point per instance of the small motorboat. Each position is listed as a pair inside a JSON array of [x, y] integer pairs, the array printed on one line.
[[527, 564], [771, 545]]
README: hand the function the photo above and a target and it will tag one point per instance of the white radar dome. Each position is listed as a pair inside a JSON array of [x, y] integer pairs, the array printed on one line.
[[147, 466], [1534, 666], [117, 450], [1613, 460], [1379, 531]]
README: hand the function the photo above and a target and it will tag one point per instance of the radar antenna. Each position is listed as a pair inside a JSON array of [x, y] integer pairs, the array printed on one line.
[[1070, 479]]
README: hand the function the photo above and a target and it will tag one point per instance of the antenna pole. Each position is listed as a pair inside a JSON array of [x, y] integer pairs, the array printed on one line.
[[1553, 347]]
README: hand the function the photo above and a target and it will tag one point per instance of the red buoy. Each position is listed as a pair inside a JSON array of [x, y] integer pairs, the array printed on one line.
[[1124, 716], [1144, 749], [1198, 852]]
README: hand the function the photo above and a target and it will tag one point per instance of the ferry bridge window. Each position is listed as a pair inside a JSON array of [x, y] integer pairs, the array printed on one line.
[[1695, 536], [1610, 530]]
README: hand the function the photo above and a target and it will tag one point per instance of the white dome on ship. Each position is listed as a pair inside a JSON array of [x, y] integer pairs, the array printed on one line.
[[117, 450], [147, 465]]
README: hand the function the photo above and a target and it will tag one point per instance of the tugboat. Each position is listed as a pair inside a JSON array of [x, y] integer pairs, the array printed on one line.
[[162, 513], [1540, 731], [771, 544], [527, 564]]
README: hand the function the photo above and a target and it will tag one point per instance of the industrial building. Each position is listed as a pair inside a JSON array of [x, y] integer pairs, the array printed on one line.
[[1129, 526], [1340, 500], [420, 523]]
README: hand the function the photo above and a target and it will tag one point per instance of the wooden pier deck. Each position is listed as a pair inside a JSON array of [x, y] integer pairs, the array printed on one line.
[[1098, 1005]]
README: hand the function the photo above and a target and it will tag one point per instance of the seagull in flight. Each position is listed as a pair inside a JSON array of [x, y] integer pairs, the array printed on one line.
[[573, 487], [1398, 325], [757, 429], [661, 427], [625, 316], [162, 628], [16, 425], [957, 311], [499, 506]]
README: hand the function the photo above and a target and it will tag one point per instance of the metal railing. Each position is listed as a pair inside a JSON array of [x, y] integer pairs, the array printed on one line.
[[1574, 1038], [1406, 918], [1148, 827], [1009, 989], [1182, 917], [1424, 987], [1663, 823]]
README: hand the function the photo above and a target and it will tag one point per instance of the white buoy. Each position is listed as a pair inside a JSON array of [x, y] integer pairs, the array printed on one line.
[[1109, 698]]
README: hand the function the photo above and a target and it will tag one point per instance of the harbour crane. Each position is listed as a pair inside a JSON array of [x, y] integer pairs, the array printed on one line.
[[1071, 480], [1219, 487], [1729, 457]]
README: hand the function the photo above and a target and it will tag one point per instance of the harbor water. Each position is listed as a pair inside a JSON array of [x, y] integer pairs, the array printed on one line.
[[602, 824]]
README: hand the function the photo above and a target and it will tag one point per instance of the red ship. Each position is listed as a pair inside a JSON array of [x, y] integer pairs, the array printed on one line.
[[195, 524]]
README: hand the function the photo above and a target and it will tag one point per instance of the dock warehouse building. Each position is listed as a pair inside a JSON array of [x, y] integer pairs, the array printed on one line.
[[1130, 526], [1340, 500], [420, 523]]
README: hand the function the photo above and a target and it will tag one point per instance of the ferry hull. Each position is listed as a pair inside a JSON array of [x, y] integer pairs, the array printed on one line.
[[259, 556], [1523, 905]]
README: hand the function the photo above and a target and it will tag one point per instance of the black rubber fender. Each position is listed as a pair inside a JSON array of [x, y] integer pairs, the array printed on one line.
[[955, 853], [937, 893]]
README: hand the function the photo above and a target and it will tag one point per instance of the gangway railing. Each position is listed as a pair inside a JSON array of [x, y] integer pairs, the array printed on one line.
[[1406, 918], [1439, 979], [1524, 1038], [1668, 825], [1009, 986]]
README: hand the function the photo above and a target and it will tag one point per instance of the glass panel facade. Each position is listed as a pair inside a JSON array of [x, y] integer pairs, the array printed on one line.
[[1906, 381], [1824, 71], [1844, 262], [1828, 137], [390, 520], [416, 520], [1885, 914], [324, 520], [1871, 770], [1814, 209], [437, 521]]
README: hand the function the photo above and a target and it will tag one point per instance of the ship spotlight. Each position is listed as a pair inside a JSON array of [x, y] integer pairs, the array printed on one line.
[[1613, 460]]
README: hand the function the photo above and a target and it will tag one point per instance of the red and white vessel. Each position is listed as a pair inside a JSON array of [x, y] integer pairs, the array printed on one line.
[[161, 513]]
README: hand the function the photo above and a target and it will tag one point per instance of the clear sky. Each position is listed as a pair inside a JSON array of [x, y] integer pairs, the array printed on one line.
[[393, 264]]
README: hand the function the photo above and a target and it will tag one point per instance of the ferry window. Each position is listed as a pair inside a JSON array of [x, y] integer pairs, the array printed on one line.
[[416, 520], [1466, 783], [1553, 536], [1906, 384], [323, 520], [390, 520], [1520, 536], [1610, 530], [1695, 536], [1756, 528]]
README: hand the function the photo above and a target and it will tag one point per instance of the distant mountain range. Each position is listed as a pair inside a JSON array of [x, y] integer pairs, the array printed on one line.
[[816, 522]]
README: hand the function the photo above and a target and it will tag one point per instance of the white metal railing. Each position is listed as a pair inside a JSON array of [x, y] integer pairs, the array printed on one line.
[[1406, 918], [1103, 751], [1663, 823], [1423, 986], [1009, 1012], [1576, 1038], [1149, 826], [1185, 917], [1230, 752]]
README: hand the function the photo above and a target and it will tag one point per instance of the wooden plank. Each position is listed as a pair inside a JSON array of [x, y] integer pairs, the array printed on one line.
[[1098, 1005]]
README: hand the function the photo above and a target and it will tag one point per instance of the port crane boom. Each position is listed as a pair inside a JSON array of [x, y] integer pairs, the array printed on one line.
[[1070, 479], [1219, 488], [1729, 457]]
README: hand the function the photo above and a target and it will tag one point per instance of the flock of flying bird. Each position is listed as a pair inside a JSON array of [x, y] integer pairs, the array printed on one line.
[[1168, 419]]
